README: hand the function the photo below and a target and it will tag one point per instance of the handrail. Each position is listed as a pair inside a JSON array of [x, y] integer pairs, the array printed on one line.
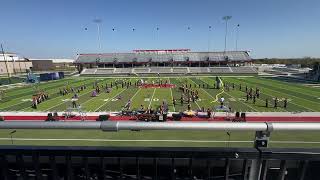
[[133, 125]]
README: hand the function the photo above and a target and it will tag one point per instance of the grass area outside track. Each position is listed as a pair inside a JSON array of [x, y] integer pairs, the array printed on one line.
[[155, 138]]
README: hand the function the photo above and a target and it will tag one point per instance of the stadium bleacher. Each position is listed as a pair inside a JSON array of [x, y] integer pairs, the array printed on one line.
[[89, 71], [105, 71], [170, 70], [245, 70], [223, 70], [47, 162], [123, 71], [198, 70], [161, 70], [239, 56], [141, 70], [180, 70]]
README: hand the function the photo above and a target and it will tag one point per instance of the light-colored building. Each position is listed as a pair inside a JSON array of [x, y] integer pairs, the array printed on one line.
[[12, 63], [52, 64]]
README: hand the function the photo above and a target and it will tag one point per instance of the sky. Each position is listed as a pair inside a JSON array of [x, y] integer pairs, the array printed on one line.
[[65, 28]]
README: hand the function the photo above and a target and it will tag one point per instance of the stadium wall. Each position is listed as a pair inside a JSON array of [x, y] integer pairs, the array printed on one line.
[[13, 67]]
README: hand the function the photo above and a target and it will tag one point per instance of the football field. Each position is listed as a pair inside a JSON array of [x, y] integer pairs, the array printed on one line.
[[301, 97]]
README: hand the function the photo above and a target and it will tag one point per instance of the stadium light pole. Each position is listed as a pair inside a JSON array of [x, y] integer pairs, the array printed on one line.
[[98, 22], [226, 19], [157, 42], [209, 33], [237, 36], [157, 36]]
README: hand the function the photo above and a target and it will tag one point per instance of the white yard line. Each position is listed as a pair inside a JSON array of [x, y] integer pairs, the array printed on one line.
[[152, 97], [65, 102], [232, 97], [50, 100], [14, 104], [152, 140], [62, 102], [135, 94], [279, 108], [174, 109], [289, 95], [201, 89], [292, 103], [109, 100], [243, 103]]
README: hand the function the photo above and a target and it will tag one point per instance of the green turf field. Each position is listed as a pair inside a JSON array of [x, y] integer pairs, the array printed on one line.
[[300, 96]]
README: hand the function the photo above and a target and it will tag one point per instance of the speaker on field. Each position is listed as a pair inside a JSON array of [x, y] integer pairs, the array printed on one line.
[[50, 117], [103, 117], [237, 114], [243, 116], [176, 117]]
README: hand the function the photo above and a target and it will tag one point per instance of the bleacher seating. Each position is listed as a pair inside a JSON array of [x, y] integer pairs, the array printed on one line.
[[89, 71], [105, 71], [240, 56], [161, 70], [180, 70], [218, 70], [244, 70], [198, 70], [76, 162], [141, 70], [123, 71], [171, 70]]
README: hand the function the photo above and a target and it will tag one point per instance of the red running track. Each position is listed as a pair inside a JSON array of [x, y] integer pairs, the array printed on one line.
[[192, 119]]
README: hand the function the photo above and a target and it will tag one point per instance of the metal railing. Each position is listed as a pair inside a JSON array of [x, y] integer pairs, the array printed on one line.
[[132, 125], [262, 130]]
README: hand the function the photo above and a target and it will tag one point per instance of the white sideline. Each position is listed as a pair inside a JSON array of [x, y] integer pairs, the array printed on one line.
[[153, 140], [154, 91]]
